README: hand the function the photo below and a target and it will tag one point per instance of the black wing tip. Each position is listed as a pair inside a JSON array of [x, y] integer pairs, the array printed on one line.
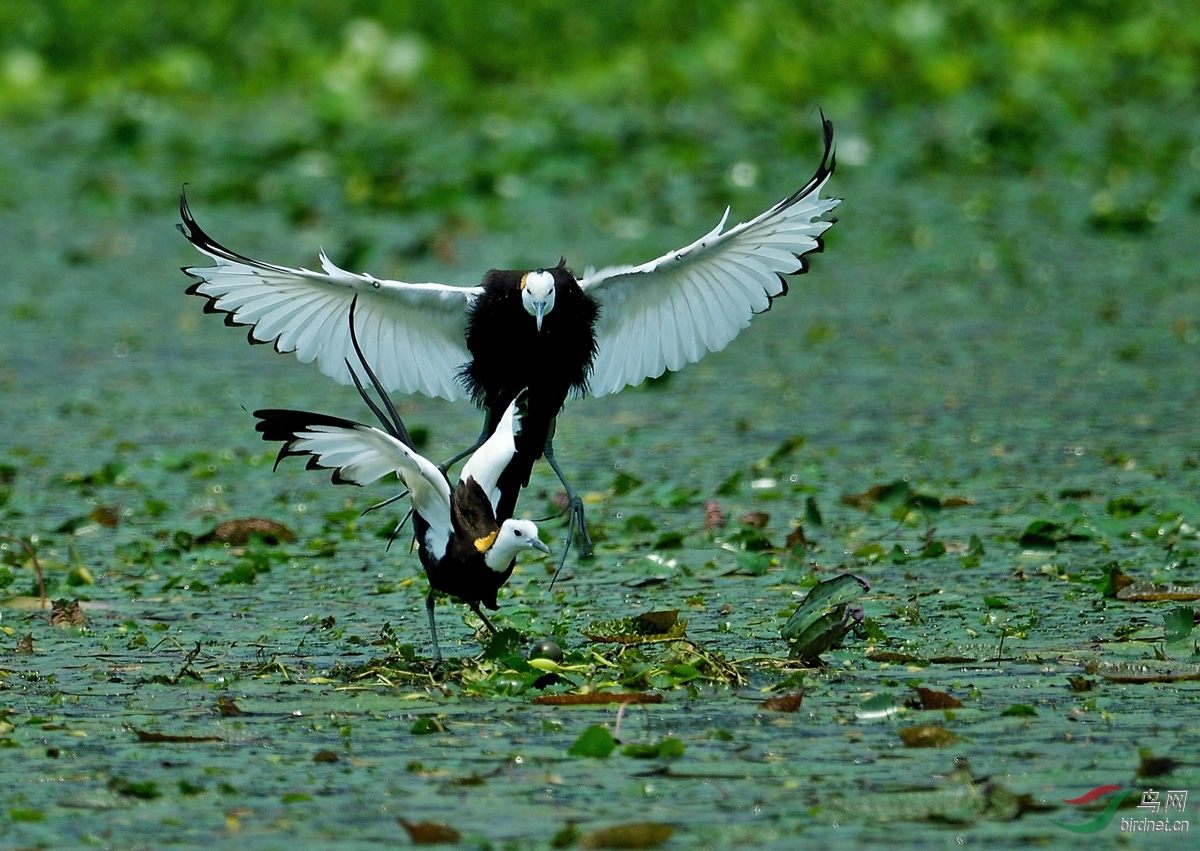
[[283, 424]]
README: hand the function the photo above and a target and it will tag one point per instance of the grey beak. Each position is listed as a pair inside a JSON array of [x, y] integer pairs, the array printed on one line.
[[540, 307], [537, 544]]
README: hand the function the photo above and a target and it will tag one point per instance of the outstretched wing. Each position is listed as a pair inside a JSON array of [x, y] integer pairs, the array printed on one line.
[[674, 310], [489, 460], [413, 333], [358, 455]]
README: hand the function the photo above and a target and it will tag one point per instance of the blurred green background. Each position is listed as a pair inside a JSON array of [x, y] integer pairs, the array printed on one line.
[[511, 89]]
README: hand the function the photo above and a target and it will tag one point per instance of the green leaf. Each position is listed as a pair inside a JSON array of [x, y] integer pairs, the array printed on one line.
[[669, 541], [933, 549], [1019, 710], [595, 741], [731, 485], [427, 724], [505, 643], [754, 564], [242, 573], [786, 448], [812, 515], [823, 598], [668, 748], [1123, 507], [1178, 623], [146, 790], [1042, 535], [820, 635], [869, 552], [623, 483], [639, 523], [27, 815]]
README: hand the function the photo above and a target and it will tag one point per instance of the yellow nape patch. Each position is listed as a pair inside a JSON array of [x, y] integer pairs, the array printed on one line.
[[523, 277], [485, 543]]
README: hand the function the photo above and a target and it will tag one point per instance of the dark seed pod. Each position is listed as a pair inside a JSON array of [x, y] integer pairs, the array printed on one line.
[[546, 649]]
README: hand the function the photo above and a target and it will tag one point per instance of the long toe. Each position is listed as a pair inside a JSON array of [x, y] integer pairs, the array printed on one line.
[[579, 520]]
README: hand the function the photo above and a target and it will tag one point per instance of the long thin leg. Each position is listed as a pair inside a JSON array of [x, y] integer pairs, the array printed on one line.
[[475, 608], [577, 520], [437, 651]]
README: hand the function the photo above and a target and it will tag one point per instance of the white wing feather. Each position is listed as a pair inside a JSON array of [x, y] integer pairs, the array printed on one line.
[[360, 454], [672, 311], [415, 332]]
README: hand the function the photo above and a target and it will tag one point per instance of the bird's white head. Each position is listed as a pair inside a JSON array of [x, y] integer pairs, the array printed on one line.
[[537, 294], [514, 537]]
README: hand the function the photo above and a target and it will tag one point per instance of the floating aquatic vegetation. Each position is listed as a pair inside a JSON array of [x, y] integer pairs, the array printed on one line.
[[825, 617]]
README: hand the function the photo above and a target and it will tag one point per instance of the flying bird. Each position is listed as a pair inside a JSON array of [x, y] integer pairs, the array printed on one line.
[[466, 551], [544, 330]]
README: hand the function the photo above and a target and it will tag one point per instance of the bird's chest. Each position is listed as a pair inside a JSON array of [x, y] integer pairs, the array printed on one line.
[[464, 574], [504, 337]]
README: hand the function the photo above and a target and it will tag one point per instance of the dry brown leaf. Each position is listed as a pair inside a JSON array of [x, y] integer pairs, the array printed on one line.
[[227, 707], [429, 833], [238, 532], [789, 702], [656, 623], [596, 697], [714, 515], [796, 538], [106, 515], [25, 644], [930, 699], [757, 519], [63, 613]]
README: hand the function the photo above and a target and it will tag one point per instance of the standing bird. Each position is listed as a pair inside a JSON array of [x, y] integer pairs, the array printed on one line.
[[466, 552], [542, 329]]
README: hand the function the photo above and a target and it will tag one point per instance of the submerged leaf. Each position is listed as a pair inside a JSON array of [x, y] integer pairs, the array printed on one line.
[[927, 736], [597, 697], [668, 748], [1150, 765], [633, 835], [151, 736]]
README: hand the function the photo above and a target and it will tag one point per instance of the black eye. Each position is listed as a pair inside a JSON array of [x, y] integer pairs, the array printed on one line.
[[517, 532]]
